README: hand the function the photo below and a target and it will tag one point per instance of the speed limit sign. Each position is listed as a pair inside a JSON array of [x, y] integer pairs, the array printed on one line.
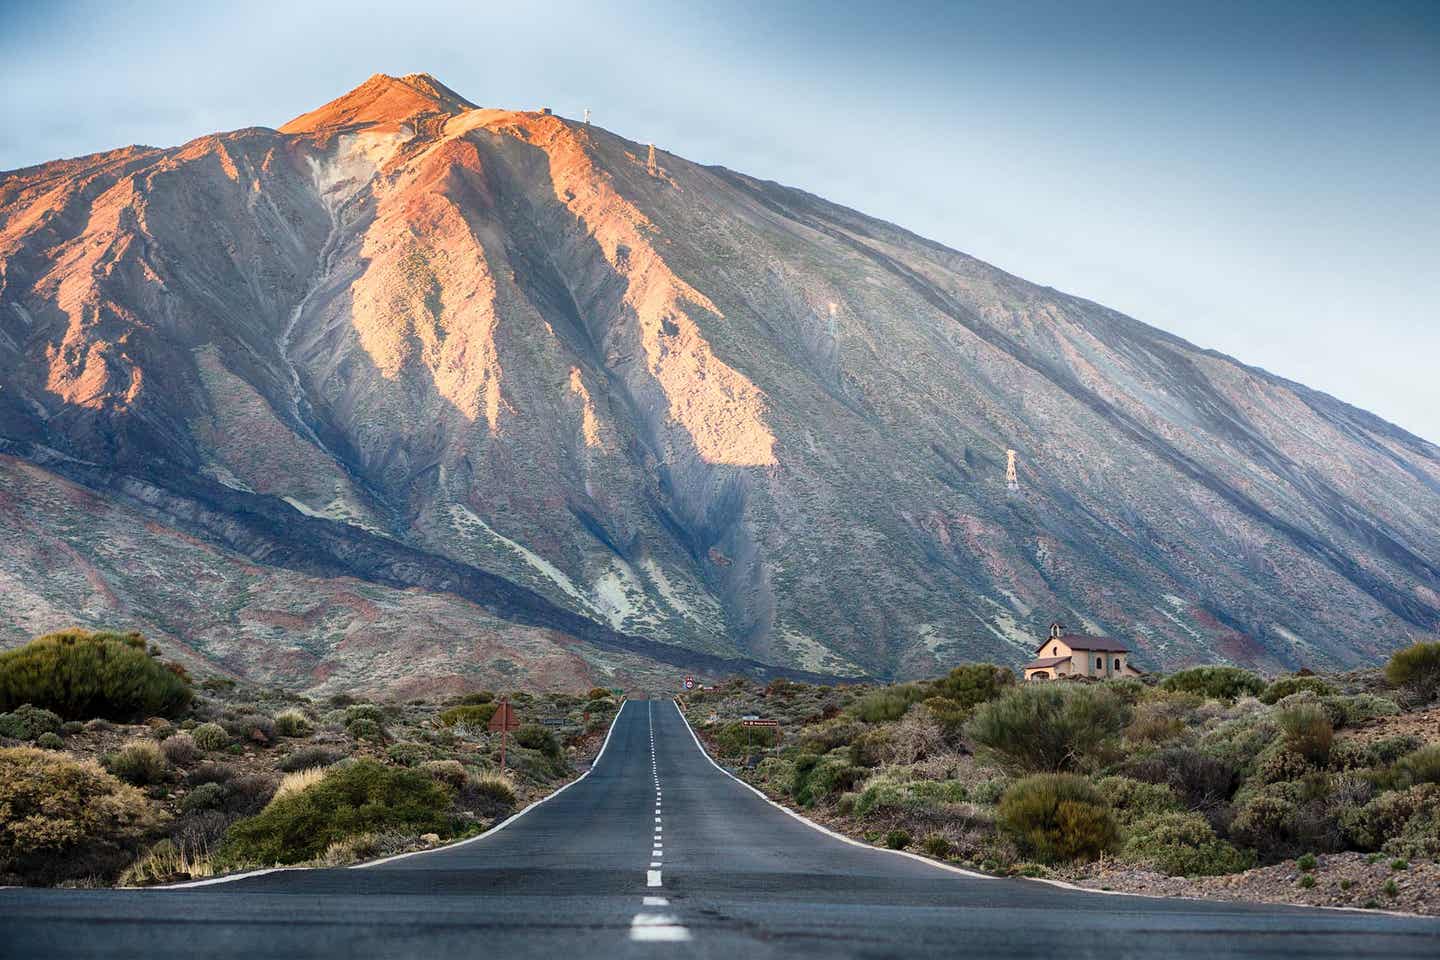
[[689, 683]]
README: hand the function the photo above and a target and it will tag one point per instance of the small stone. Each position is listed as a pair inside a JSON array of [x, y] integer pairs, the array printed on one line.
[[430, 838]]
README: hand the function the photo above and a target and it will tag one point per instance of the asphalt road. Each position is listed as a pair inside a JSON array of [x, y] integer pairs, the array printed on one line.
[[658, 853]]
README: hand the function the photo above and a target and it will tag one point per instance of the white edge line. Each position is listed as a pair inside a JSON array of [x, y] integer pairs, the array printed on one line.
[[1062, 884], [815, 826], [415, 853]]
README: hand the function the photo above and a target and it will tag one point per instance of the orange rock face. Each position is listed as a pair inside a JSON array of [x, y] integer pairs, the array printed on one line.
[[472, 392]]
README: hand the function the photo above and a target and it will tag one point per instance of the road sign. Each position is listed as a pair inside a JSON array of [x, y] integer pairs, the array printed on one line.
[[689, 683], [760, 723], [504, 719]]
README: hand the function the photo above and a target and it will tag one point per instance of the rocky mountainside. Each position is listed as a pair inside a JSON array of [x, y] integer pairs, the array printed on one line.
[[409, 391]]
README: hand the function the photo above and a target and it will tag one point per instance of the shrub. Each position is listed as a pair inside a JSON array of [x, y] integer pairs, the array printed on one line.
[[28, 722], [598, 693], [937, 845], [1216, 683], [470, 715], [1353, 710], [1278, 763], [1417, 669], [79, 675], [52, 806], [253, 727], [1307, 881], [363, 728], [355, 798], [1133, 800], [1156, 721], [139, 762], [210, 736], [1266, 822], [364, 711], [207, 796], [449, 772], [1307, 731], [293, 723], [532, 736], [731, 739], [1422, 766], [974, 683], [307, 757], [296, 782], [1285, 686], [897, 839], [489, 795], [1307, 862], [1389, 816], [819, 778], [1182, 844], [869, 748], [50, 741], [181, 749], [168, 862], [408, 754], [482, 696], [1050, 727], [1057, 817], [889, 703]]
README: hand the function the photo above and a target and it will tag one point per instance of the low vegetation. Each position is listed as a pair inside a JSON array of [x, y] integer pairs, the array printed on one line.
[[117, 768], [1211, 771]]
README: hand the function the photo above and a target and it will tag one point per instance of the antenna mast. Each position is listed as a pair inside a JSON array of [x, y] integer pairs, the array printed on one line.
[[587, 116], [1012, 480], [651, 163]]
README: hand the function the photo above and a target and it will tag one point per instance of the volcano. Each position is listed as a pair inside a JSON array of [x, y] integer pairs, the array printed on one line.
[[410, 395]]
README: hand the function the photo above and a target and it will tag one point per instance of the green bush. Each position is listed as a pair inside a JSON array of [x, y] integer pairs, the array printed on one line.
[[180, 749], [1182, 844], [363, 728], [28, 722], [451, 772], [1389, 815], [1416, 668], [1353, 710], [974, 683], [470, 715], [139, 762], [50, 741], [354, 798], [293, 723], [897, 839], [1307, 731], [1049, 727], [598, 693], [1285, 686], [207, 796], [210, 736], [937, 845], [1266, 822], [62, 818], [870, 747], [532, 736], [313, 756], [487, 796], [1307, 862], [949, 714], [819, 778], [364, 711], [1133, 800], [1057, 817], [1216, 683], [889, 703], [408, 754], [1422, 766], [477, 698], [731, 739], [80, 675]]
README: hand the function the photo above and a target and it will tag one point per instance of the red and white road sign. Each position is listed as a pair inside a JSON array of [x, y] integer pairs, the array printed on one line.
[[689, 683]]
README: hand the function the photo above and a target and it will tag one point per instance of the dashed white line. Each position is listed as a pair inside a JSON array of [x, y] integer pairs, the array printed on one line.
[[657, 927], [652, 878]]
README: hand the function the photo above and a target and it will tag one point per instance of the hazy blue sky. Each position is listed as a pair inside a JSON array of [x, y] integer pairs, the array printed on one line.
[[1263, 179]]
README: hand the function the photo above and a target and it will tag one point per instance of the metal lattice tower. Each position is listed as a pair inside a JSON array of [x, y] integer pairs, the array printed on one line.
[[587, 116], [652, 160], [1012, 479]]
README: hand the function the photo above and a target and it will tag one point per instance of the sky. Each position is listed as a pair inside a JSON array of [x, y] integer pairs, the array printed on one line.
[[1259, 178]]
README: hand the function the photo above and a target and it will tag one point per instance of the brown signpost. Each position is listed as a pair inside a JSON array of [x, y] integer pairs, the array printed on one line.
[[753, 721], [504, 720]]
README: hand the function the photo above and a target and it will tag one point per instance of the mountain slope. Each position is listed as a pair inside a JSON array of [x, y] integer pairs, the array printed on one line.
[[687, 411]]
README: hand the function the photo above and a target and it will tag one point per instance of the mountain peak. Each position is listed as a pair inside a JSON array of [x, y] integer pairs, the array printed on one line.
[[382, 99]]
